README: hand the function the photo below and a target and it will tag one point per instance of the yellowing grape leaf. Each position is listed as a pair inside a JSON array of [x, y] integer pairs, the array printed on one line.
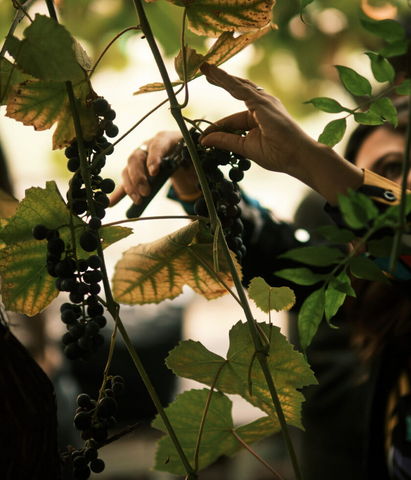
[[152, 272], [26, 286], [47, 52], [211, 17], [9, 75], [8, 204], [42, 104], [270, 298], [218, 436], [154, 87], [288, 367]]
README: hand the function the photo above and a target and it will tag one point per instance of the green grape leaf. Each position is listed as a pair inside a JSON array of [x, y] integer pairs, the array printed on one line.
[[8, 204], [336, 235], [42, 104], [301, 276], [389, 30], [335, 295], [368, 118], [26, 286], [152, 272], [353, 82], [310, 316], [81, 55], [212, 17], [333, 132], [328, 105], [404, 88], [9, 75], [218, 436], [381, 68], [320, 256], [290, 371], [270, 298], [47, 52], [365, 268], [385, 109], [304, 3], [394, 49], [357, 209]]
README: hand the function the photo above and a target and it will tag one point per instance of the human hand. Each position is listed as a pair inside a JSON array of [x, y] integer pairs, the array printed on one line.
[[273, 140], [142, 163]]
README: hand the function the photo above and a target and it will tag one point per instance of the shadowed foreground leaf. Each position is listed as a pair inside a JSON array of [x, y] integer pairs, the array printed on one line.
[[26, 286], [270, 298], [290, 371], [9, 75], [152, 272], [41, 104], [218, 439]]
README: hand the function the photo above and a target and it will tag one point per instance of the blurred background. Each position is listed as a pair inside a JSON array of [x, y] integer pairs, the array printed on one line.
[[295, 63]]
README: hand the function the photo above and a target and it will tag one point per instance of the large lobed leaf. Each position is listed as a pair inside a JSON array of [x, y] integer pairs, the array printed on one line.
[[212, 17], [9, 75], [26, 286], [152, 272], [41, 104], [289, 370], [217, 439]]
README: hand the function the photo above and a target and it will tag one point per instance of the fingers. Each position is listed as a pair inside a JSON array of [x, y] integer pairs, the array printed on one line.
[[225, 141], [238, 121]]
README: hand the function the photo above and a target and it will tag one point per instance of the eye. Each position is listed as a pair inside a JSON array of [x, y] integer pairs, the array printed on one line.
[[390, 167]]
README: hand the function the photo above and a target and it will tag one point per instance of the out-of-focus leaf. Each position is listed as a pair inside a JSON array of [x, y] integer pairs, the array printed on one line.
[[394, 49], [155, 87], [334, 297], [380, 247], [152, 272], [404, 88], [8, 204], [357, 210], [46, 52], [217, 439], [194, 61], [310, 316], [212, 17], [288, 367], [81, 55], [320, 256], [353, 82], [304, 3], [270, 298], [328, 105], [381, 68], [9, 75], [301, 276], [389, 30], [41, 104], [365, 268], [333, 132], [336, 235]]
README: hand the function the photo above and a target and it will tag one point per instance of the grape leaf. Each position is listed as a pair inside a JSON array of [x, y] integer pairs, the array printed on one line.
[[333, 132], [353, 82], [42, 104], [218, 437], [47, 52], [290, 371], [26, 286], [320, 256], [154, 87], [152, 272], [365, 268], [8, 204], [326, 104], [9, 75], [212, 17], [301, 276], [310, 316], [381, 68], [270, 298], [389, 30]]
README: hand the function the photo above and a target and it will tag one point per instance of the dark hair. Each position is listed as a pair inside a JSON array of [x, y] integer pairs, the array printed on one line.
[[359, 135]]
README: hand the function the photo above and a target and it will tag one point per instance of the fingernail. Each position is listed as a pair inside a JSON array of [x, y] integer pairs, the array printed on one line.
[[151, 169]]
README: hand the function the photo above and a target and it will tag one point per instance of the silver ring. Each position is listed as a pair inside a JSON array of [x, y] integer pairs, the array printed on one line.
[[143, 147], [259, 88]]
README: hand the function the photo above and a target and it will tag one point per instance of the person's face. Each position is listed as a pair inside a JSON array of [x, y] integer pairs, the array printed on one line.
[[382, 152]]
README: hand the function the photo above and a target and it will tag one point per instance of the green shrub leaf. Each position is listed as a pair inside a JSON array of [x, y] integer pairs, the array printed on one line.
[[310, 316], [304, 3], [354, 83], [368, 118], [381, 68], [394, 49], [9, 75], [301, 276], [290, 371], [385, 109], [389, 30], [320, 256], [328, 105], [333, 132], [365, 268], [404, 88], [336, 235], [270, 298], [335, 294], [357, 209]]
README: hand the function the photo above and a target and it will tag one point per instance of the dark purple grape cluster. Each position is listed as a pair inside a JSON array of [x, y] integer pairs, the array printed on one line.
[[225, 192], [83, 315], [94, 420]]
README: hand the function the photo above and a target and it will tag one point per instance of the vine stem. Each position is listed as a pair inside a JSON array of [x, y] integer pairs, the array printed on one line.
[[276, 475]]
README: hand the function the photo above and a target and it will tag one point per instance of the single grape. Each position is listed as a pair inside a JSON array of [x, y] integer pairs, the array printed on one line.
[[97, 465], [110, 114], [236, 174], [94, 223], [107, 185], [244, 164], [95, 262], [112, 131], [107, 407], [88, 241], [79, 462], [91, 454], [83, 400], [82, 421], [101, 106], [39, 232], [82, 473], [92, 328], [200, 207], [56, 245], [73, 164]]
